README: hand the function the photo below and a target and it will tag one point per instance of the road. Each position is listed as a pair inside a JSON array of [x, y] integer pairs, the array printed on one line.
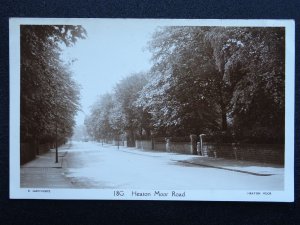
[[91, 165]]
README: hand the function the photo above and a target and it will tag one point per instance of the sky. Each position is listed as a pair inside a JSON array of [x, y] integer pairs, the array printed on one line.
[[111, 51]]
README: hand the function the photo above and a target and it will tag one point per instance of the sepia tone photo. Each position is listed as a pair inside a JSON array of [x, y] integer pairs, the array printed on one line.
[[153, 110]]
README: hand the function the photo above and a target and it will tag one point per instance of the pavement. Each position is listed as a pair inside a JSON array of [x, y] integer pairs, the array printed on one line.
[[253, 168], [47, 160], [248, 167], [44, 172]]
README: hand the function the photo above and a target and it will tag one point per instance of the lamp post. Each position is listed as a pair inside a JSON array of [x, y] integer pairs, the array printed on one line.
[[56, 118], [56, 147]]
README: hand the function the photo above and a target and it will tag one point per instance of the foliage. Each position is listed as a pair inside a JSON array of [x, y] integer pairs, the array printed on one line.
[[222, 81], [49, 96], [115, 114]]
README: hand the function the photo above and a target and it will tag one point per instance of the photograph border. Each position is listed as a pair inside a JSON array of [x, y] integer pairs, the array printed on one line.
[[287, 195]]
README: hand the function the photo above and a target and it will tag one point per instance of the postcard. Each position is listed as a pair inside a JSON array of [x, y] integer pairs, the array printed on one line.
[[152, 109]]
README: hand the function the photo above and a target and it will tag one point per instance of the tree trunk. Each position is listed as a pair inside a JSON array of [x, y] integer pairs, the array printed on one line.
[[130, 139], [222, 105], [224, 116]]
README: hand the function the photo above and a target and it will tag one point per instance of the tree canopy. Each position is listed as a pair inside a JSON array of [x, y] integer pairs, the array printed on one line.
[[226, 81], [49, 95]]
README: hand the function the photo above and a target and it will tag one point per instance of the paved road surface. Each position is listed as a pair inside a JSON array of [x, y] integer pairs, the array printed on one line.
[[93, 165]]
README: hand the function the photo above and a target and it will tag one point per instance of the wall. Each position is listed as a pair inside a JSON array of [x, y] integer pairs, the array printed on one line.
[[181, 147], [147, 145], [160, 146], [118, 143], [27, 152], [250, 152], [43, 148]]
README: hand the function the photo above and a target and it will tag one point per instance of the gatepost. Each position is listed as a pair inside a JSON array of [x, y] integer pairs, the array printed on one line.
[[193, 138], [168, 147], [152, 143], [199, 150], [200, 146]]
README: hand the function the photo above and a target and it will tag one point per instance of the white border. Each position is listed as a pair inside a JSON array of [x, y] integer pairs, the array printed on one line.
[[287, 195]]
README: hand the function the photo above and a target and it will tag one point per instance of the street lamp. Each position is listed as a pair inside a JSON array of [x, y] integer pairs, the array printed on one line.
[[56, 118], [56, 148]]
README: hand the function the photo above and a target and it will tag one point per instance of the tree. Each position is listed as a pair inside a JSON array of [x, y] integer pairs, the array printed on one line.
[[49, 96], [98, 123], [257, 103], [133, 117], [177, 95], [217, 79], [116, 113], [223, 81]]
